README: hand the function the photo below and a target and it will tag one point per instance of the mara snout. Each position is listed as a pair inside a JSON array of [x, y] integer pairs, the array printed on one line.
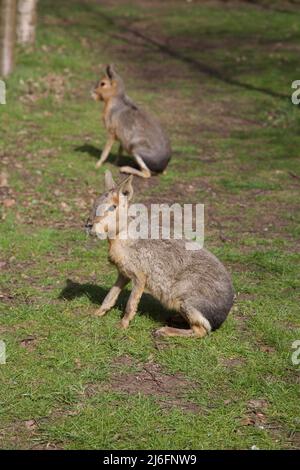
[[137, 132], [194, 283]]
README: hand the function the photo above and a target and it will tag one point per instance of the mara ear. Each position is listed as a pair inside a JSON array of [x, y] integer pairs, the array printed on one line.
[[126, 188], [110, 71], [109, 182]]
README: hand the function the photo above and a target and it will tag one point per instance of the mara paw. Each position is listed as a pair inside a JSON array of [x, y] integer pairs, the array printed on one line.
[[161, 332], [123, 324], [100, 312]]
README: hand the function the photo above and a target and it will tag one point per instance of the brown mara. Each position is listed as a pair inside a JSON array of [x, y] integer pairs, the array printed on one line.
[[193, 283], [138, 133]]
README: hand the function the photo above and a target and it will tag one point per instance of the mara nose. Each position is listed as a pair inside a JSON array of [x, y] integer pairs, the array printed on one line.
[[88, 225], [93, 93]]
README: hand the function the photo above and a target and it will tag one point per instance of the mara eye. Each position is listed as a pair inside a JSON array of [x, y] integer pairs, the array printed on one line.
[[102, 83], [112, 208]]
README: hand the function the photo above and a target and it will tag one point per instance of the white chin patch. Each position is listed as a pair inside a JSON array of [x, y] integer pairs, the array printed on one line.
[[100, 231], [94, 95]]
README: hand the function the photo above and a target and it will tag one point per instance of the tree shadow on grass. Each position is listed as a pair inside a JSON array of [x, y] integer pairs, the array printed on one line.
[[175, 53], [112, 158], [148, 305]]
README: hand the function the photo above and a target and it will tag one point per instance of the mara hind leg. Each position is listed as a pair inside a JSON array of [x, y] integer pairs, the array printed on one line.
[[199, 325], [144, 171], [195, 331]]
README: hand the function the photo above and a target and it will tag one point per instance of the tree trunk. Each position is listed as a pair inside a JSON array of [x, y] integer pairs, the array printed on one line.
[[26, 21], [7, 35]]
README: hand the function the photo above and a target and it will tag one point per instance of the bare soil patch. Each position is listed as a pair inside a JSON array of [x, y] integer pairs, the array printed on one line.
[[169, 389]]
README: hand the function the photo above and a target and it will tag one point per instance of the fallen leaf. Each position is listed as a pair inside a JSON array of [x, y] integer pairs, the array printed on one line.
[[257, 404], [73, 413], [78, 363], [6, 296], [80, 203], [27, 342], [233, 361], [247, 421], [3, 180], [65, 207], [31, 424], [267, 349], [8, 202]]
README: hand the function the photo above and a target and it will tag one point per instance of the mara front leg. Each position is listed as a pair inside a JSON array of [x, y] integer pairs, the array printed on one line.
[[138, 286], [112, 296], [107, 148]]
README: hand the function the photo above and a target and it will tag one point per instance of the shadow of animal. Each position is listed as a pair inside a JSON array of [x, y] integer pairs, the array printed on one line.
[[148, 305], [96, 153]]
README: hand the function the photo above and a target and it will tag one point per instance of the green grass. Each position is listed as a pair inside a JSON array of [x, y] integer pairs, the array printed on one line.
[[219, 77]]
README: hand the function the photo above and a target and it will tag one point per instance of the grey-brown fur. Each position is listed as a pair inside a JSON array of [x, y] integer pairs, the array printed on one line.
[[138, 133], [194, 283]]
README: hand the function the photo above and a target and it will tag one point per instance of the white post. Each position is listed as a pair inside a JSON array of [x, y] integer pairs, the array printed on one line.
[[26, 21], [7, 36]]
